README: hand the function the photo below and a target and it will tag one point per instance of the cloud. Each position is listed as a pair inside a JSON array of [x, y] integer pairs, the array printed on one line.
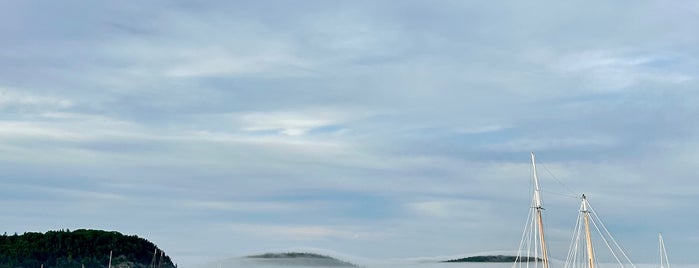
[[23, 130], [548, 143], [347, 125], [285, 123], [187, 61], [298, 122], [449, 208], [616, 70], [254, 207], [482, 129], [307, 232], [16, 99]]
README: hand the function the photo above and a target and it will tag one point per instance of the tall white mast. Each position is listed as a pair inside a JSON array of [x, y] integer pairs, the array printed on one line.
[[539, 208]]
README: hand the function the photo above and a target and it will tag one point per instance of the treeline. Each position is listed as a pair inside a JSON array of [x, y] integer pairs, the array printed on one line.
[[88, 248], [495, 258], [290, 255]]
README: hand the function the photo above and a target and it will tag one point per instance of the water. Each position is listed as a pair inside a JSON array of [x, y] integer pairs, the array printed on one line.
[[299, 263], [405, 264], [252, 263]]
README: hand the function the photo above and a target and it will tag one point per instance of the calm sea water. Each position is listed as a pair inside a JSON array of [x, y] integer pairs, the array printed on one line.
[[251, 263], [248, 263]]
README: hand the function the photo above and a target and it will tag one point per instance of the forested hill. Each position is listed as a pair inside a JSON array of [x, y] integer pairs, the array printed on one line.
[[495, 258], [301, 259], [77, 248]]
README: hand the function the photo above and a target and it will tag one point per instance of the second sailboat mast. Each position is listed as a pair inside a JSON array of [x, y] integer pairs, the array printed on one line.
[[539, 208]]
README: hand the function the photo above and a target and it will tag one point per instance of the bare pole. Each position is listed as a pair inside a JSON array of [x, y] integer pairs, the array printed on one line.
[[539, 208], [152, 261], [588, 238], [160, 263]]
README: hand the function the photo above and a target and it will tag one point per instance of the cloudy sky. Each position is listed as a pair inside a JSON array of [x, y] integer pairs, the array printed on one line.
[[371, 128]]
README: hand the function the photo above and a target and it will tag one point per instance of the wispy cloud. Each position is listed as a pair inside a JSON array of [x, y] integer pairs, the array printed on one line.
[[615, 70], [13, 98], [255, 207], [298, 122], [308, 232]]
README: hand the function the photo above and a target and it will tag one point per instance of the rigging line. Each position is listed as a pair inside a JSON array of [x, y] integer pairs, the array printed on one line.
[[575, 247], [580, 253], [528, 235], [574, 243], [532, 240], [604, 238], [560, 194], [535, 233], [623, 252], [524, 237], [578, 250], [663, 253], [570, 190]]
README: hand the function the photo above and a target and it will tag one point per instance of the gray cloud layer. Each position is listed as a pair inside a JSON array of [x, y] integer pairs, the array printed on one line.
[[217, 129]]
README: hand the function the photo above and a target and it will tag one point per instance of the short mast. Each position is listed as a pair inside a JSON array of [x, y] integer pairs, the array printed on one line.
[[537, 203], [588, 238]]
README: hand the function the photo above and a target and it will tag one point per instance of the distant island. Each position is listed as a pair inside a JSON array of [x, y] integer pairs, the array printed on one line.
[[494, 258], [91, 248], [301, 259]]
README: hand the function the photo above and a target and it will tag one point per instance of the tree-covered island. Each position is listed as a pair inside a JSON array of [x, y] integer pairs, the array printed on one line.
[[79, 248], [302, 259], [494, 258]]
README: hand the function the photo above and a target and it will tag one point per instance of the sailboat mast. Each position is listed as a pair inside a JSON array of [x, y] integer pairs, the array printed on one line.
[[660, 249], [663, 253], [537, 198], [152, 262], [160, 263], [588, 238]]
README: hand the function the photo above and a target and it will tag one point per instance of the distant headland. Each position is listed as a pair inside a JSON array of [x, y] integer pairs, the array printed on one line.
[[494, 258], [301, 259]]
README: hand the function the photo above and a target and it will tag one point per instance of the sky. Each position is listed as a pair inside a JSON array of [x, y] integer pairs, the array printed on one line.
[[375, 129]]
